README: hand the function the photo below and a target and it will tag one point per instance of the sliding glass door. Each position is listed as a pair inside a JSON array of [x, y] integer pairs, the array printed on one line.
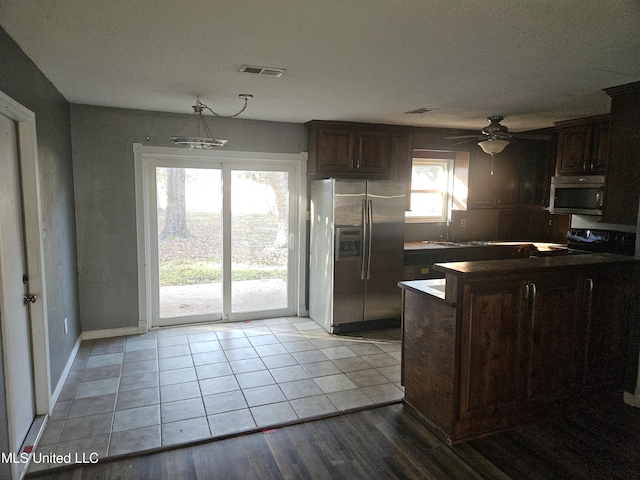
[[259, 244], [223, 240], [189, 242]]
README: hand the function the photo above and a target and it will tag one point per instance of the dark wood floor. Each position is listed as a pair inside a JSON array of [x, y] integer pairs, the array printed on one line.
[[392, 443]]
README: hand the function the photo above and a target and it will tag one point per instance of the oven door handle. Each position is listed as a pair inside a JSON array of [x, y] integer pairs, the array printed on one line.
[[599, 198]]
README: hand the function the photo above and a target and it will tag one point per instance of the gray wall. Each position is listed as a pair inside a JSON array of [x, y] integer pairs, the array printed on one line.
[[22, 80], [102, 143]]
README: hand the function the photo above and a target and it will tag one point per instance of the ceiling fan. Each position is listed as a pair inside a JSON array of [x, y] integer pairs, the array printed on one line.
[[495, 136]]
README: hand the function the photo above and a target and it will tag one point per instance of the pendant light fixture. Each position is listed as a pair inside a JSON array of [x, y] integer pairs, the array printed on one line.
[[203, 138], [493, 146]]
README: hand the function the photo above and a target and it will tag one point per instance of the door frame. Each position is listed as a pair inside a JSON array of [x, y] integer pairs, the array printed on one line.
[[144, 157], [34, 248]]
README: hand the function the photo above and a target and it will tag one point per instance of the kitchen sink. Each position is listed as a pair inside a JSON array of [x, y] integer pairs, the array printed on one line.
[[446, 244], [460, 244]]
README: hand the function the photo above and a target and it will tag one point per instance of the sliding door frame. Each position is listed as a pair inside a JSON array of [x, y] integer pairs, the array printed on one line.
[[145, 161]]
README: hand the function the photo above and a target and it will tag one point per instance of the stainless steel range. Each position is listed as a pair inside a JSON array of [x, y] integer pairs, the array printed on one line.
[[583, 240], [586, 240]]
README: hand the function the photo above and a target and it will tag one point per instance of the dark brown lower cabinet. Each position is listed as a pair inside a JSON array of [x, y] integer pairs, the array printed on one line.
[[507, 349], [608, 310], [554, 313], [518, 343], [492, 348]]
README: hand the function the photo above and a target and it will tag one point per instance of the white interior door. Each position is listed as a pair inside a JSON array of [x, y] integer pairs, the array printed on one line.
[[14, 315]]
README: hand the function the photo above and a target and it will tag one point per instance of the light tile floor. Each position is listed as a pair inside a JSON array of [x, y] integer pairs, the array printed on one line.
[[181, 384]]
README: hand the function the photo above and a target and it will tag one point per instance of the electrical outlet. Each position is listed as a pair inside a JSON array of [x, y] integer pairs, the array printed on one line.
[[463, 223], [66, 326]]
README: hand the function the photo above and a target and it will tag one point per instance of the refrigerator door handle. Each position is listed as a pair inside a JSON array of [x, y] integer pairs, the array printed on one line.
[[363, 271], [370, 236]]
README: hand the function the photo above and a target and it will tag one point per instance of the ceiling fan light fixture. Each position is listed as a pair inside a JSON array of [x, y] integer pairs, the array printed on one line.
[[204, 140], [493, 146]]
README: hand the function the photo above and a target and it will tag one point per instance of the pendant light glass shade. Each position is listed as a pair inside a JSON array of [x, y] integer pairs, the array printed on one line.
[[206, 143], [492, 147]]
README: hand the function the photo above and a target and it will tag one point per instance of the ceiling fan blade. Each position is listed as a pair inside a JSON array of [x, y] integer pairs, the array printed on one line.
[[473, 139], [464, 136], [525, 136]]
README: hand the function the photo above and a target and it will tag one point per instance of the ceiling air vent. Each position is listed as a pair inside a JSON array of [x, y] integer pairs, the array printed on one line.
[[267, 71]]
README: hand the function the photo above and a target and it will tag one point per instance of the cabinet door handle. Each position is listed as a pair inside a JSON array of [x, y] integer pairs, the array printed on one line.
[[526, 292], [589, 299]]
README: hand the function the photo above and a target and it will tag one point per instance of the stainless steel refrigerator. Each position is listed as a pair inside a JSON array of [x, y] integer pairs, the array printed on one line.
[[356, 253]]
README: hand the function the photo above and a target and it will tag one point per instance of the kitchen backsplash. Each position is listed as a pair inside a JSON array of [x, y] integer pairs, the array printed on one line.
[[494, 224]]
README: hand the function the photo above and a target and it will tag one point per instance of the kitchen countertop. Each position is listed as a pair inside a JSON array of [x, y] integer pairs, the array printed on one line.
[[497, 267], [439, 288], [438, 245], [434, 287]]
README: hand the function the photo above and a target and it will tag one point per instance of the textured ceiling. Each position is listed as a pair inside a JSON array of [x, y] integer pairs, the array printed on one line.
[[533, 61]]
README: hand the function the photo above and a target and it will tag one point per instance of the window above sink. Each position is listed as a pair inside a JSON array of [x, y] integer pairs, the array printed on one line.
[[439, 182]]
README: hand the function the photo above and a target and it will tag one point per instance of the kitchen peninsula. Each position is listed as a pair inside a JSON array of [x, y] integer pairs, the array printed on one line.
[[498, 343]]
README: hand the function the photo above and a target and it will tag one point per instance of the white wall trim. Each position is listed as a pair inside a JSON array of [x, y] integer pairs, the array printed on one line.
[[304, 215], [110, 332], [143, 326], [63, 377], [33, 226], [141, 192], [143, 155]]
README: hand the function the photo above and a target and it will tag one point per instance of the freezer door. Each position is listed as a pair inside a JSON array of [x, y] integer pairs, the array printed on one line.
[[385, 259], [348, 287], [347, 201]]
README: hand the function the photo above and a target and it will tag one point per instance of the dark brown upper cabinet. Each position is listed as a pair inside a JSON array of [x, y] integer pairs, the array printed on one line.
[[331, 150], [493, 182], [622, 188], [583, 146], [373, 148], [537, 163], [346, 149]]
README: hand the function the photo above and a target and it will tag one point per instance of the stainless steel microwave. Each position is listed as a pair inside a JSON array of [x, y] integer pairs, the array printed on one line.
[[577, 194]]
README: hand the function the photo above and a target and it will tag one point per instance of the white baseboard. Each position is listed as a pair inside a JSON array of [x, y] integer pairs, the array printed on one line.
[[91, 335], [110, 332], [631, 399], [143, 325], [63, 378]]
